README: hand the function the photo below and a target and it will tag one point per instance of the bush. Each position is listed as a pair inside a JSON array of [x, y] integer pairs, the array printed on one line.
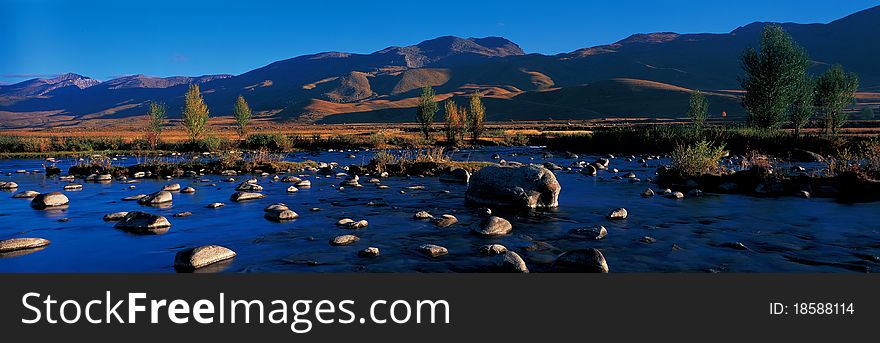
[[269, 141], [697, 159]]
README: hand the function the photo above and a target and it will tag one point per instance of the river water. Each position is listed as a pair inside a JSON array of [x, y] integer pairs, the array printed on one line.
[[695, 234]]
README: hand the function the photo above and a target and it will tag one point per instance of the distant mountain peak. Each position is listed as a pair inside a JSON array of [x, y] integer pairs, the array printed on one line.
[[144, 81], [433, 50]]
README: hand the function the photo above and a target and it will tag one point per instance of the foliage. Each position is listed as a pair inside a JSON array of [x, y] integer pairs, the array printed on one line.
[[268, 141], [772, 79], [195, 113], [699, 109], [697, 159], [426, 110], [242, 115], [802, 109], [477, 115], [455, 123], [834, 92], [156, 114]]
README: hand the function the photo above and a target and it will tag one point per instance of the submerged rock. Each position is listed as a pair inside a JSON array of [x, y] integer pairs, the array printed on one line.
[[249, 186], [143, 222], [18, 244], [369, 252], [589, 170], [344, 240], [580, 261], [116, 216], [492, 250], [647, 193], [355, 225], [596, 232], [182, 214], [445, 220], [455, 175], [200, 257], [215, 205], [527, 186], [492, 226], [674, 195], [188, 190], [433, 250], [616, 214], [50, 200]]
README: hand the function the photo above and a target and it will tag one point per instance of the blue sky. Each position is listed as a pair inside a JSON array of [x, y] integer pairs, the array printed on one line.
[[105, 39]]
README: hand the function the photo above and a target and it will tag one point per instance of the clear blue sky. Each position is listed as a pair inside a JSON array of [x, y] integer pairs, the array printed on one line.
[[105, 39]]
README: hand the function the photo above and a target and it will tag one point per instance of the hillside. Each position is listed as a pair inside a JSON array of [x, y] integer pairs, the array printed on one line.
[[644, 75]]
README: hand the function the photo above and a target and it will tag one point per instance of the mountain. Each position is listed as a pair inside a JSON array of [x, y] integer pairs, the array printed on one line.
[[643, 75]]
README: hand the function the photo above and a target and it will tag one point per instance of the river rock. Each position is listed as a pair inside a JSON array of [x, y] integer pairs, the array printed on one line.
[[511, 262], [596, 232], [617, 214], [143, 222], [160, 197], [344, 222], [292, 189], [200, 257], [73, 187], [49, 200], [291, 179], [355, 225], [99, 178], [445, 220], [25, 194], [244, 196], [303, 184], [423, 215], [455, 175], [281, 215], [492, 226], [589, 170], [215, 205], [174, 187], [674, 195], [581, 260], [116, 216], [344, 240], [249, 186], [648, 192], [369, 252], [276, 207], [432, 250], [17, 244], [188, 190], [630, 175], [183, 214], [134, 197], [492, 250], [527, 186], [8, 185]]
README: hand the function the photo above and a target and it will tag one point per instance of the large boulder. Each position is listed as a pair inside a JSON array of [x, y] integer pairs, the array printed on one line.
[[588, 260], [194, 258], [16, 244], [49, 200], [143, 222], [524, 186]]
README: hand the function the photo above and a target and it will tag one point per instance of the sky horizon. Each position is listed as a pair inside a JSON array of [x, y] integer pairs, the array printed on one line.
[[105, 39]]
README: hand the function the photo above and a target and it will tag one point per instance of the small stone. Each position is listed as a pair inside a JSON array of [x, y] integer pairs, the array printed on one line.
[[249, 186], [648, 240], [432, 250], [281, 215], [344, 222], [369, 252], [292, 189], [344, 240], [291, 179], [117, 216], [276, 207], [142, 222], [73, 187], [674, 195], [244, 196], [596, 232], [695, 193], [734, 245], [160, 197], [589, 170], [26, 194], [617, 214], [182, 214], [174, 187], [445, 220], [492, 226], [49, 200], [215, 205], [581, 260], [304, 184], [629, 175], [511, 262], [423, 215], [492, 250], [200, 257], [804, 194], [8, 185], [188, 190], [647, 193], [355, 225], [134, 197], [18, 244]]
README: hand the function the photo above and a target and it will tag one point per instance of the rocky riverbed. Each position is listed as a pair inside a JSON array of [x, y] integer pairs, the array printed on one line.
[[221, 223]]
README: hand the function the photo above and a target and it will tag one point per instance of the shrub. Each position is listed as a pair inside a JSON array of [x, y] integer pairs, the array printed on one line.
[[697, 159], [269, 141]]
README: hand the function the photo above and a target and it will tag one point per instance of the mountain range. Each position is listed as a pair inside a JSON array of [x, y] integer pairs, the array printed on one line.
[[644, 75]]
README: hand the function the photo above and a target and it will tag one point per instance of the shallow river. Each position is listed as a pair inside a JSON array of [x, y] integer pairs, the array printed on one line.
[[695, 234]]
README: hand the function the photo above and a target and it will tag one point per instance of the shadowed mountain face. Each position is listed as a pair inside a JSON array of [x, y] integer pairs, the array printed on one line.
[[644, 75]]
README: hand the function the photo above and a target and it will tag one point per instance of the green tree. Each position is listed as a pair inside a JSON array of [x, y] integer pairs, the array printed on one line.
[[699, 109], [801, 109], [426, 110], [156, 115], [242, 114], [477, 115], [195, 113], [834, 92], [455, 122], [772, 79]]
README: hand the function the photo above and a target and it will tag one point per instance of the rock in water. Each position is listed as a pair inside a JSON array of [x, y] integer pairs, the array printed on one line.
[[49, 200], [525, 186], [134, 197], [580, 261], [648, 193], [25, 194], [455, 175], [249, 186], [355, 225], [511, 262], [117, 216], [194, 258], [73, 187], [432, 250], [492, 226], [589, 170], [215, 205], [160, 197], [292, 189], [188, 190], [369, 252], [292, 179], [16, 244], [243, 196], [281, 215], [616, 214], [344, 221], [492, 250], [303, 184], [423, 215], [344, 240], [674, 195], [276, 207], [183, 214], [142, 222], [595, 232], [174, 187], [446, 220]]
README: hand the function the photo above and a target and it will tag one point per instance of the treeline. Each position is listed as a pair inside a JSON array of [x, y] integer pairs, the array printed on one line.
[[460, 123]]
